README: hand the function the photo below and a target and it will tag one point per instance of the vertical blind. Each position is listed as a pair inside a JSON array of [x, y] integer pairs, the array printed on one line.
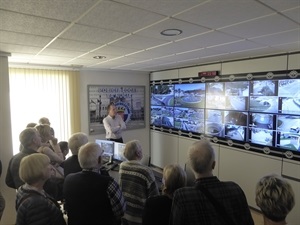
[[36, 93]]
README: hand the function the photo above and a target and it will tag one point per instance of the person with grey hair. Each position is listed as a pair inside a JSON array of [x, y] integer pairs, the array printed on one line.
[[210, 201], [137, 182], [45, 120], [31, 141], [71, 164], [157, 208], [90, 197], [275, 197], [33, 204]]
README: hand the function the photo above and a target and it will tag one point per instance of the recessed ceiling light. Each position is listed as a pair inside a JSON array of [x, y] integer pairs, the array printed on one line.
[[171, 32], [99, 57]]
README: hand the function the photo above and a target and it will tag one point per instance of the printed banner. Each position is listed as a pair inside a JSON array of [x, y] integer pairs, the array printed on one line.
[[129, 101]]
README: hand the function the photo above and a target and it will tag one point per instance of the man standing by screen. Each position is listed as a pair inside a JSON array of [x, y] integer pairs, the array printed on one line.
[[113, 124]]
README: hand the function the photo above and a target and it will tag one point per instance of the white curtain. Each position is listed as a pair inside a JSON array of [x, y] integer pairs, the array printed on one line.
[[36, 93]]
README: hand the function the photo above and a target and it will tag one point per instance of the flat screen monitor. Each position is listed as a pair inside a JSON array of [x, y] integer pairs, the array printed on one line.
[[189, 119], [288, 132], [162, 95], [108, 148], [262, 129], [190, 95], [118, 152]]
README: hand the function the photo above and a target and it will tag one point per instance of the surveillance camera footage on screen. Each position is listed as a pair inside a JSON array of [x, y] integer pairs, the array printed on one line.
[[260, 112]]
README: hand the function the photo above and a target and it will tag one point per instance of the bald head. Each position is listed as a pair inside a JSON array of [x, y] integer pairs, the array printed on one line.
[[202, 157]]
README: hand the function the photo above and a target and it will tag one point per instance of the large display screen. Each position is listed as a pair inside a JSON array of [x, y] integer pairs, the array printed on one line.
[[262, 112]]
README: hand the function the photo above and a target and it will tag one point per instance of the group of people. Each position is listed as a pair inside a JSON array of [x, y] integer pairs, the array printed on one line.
[[43, 177]]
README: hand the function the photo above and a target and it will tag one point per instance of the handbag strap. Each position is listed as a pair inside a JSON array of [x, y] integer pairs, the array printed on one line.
[[219, 207]]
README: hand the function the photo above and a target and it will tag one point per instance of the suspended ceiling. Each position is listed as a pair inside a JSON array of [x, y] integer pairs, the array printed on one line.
[[69, 33]]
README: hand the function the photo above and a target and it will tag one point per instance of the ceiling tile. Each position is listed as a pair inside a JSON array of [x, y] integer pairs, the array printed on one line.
[[167, 8], [294, 14], [216, 14], [91, 34], [53, 9], [61, 52], [280, 5], [73, 45], [289, 47], [46, 58], [237, 46], [119, 17], [267, 25], [138, 42], [16, 22], [197, 42], [12, 48], [23, 39], [187, 29], [278, 38], [113, 50]]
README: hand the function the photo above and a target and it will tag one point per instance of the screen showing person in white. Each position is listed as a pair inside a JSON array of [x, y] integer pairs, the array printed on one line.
[[113, 124]]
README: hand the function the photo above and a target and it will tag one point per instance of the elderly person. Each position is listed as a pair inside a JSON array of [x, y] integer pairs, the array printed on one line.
[[51, 148], [210, 201], [31, 141], [34, 206], [275, 197], [157, 209], [137, 183], [90, 197], [45, 120], [71, 164]]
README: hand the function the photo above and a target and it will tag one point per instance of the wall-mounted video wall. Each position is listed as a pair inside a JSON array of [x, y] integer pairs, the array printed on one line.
[[258, 109]]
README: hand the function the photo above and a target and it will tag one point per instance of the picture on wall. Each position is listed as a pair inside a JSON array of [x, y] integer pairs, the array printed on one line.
[[129, 101]]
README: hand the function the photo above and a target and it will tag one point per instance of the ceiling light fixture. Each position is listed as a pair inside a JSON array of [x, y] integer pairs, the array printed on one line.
[[171, 32], [99, 57]]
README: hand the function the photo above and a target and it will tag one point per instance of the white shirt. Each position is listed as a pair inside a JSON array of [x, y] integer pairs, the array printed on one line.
[[114, 126]]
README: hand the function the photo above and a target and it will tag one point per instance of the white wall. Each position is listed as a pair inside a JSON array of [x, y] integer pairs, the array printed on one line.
[[238, 165], [88, 77], [6, 148]]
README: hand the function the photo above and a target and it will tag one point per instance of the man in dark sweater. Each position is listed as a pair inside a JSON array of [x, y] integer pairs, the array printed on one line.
[[91, 197]]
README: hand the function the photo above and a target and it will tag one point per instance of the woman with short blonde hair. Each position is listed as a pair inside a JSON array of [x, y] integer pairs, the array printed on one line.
[[33, 204], [158, 208], [275, 197]]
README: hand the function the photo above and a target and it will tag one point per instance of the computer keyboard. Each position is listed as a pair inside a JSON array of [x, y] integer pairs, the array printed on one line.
[[110, 166]]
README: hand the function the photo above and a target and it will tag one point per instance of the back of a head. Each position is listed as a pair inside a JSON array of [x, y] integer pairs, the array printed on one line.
[[76, 141], [32, 167], [132, 150], [174, 178], [27, 135], [89, 156], [275, 197], [44, 120], [45, 131], [31, 125], [201, 156]]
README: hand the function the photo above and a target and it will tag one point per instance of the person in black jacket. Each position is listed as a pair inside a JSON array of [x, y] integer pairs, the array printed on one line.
[[2, 200], [71, 164], [31, 141], [34, 206], [157, 208], [91, 197]]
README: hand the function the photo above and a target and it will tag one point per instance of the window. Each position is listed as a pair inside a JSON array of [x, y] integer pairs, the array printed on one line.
[[36, 93]]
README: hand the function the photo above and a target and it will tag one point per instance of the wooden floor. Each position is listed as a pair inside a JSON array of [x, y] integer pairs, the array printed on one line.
[[257, 217]]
